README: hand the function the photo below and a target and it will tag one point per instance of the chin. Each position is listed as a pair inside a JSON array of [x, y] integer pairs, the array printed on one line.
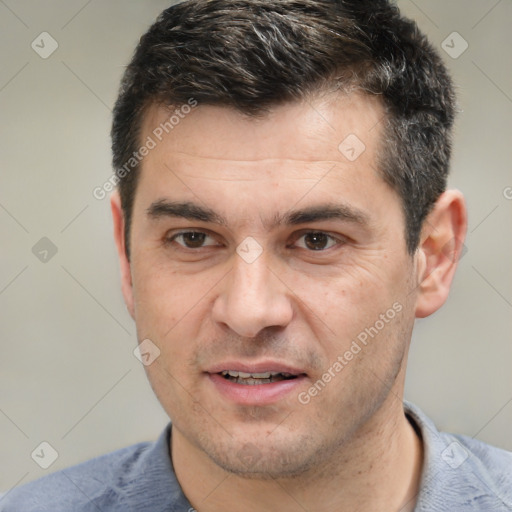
[[267, 468], [266, 461]]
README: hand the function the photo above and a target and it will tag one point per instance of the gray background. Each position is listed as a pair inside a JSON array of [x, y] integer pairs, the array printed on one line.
[[68, 375]]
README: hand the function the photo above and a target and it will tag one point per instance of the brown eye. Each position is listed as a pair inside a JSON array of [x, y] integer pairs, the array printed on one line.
[[316, 241], [193, 239]]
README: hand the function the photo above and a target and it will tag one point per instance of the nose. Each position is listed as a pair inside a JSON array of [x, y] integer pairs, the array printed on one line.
[[252, 298]]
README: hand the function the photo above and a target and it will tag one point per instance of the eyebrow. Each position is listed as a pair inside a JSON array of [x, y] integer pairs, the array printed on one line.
[[191, 211], [340, 212], [186, 210]]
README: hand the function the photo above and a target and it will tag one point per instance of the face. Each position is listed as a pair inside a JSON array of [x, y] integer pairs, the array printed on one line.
[[263, 248]]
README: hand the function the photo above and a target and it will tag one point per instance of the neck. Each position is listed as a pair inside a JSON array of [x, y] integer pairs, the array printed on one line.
[[379, 469]]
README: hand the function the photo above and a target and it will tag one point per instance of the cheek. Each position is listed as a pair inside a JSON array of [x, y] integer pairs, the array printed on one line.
[[173, 309], [156, 303], [163, 298], [352, 296]]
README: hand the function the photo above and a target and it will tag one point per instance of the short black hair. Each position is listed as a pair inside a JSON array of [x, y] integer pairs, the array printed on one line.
[[252, 55]]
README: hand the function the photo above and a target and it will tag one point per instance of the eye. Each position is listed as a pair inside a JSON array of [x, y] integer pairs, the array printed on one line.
[[316, 241], [193, 239]]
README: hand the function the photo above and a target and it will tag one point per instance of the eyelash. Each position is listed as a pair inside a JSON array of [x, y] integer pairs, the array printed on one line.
[[337, 240]]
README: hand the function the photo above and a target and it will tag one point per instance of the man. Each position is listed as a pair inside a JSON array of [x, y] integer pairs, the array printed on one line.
[[281, 220]]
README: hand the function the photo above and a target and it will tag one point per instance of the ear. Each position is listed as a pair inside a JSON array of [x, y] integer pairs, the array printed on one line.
[[124, 263], [441, 247]]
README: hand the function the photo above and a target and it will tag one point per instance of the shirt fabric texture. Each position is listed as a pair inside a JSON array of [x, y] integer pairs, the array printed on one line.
[[460, 474]]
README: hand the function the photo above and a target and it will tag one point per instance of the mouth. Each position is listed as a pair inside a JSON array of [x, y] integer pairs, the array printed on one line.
[[262, 383], [255, 379]]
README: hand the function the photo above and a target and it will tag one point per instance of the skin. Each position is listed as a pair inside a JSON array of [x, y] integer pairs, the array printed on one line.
[[351, 447]]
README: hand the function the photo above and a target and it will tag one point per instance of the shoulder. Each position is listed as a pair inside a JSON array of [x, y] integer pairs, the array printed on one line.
[[136, 478], [492, 465], [461, 473], [78, 488]]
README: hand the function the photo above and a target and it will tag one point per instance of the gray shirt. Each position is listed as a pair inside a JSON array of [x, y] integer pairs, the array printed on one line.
[[460, 474]]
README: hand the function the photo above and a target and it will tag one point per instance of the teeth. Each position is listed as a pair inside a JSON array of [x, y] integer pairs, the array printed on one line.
[[255, 378], [230, 372], [262, 375], [254, 382]]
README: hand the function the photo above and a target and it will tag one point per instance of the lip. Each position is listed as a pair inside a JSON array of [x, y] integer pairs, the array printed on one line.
[[258, 394]]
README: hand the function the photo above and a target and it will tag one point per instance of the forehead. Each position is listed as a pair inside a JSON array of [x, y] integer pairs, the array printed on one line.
[[331, 128]]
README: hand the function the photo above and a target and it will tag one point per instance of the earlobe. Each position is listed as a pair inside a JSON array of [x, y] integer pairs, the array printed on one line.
[[441, 246], [124, 263]]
